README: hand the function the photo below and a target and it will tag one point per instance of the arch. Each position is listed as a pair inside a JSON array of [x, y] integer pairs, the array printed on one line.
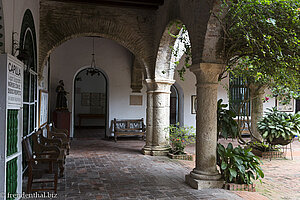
[[213, 46], [28, 32], [165, 67], [28, 55], [107, 99], [2, 39], [164, 52], [53, 35]]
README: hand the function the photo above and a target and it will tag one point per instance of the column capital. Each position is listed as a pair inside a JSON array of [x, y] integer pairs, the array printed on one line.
[[207, 72], [159, 85]]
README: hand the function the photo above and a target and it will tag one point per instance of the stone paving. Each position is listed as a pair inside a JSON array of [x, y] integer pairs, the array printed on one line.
[[102, 169], [282, 176]]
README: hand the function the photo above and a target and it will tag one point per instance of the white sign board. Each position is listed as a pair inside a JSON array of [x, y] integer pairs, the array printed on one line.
[[14, 83], [43, 108]]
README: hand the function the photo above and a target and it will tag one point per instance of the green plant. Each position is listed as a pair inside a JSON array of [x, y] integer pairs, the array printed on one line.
[[227, 126], [261, 146], [181, 47], [278, 124], [180, 137], [238, 165]]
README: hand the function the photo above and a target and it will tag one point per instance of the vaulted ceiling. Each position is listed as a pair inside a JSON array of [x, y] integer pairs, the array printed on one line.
[[142, 4]]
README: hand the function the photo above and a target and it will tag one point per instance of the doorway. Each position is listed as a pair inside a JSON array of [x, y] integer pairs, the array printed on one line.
[[90, 104], [174, 105]]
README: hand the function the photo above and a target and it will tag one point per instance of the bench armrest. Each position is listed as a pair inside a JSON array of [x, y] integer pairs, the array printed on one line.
[[54, 141]]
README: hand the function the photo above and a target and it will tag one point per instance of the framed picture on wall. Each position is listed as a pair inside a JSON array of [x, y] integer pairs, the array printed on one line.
[[285, 107], [43, 108], [194, 104]]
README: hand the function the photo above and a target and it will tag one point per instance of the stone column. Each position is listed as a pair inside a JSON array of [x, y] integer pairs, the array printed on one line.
[[257, 92], [205, 174], [149, 117], [158, 117], [161, 117]]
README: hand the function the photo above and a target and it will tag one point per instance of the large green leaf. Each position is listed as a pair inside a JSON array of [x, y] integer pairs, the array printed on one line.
[[233, 172], [223, 165]]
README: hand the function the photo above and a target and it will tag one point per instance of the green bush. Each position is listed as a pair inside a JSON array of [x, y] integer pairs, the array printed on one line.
[[238, 165], [279, 124]]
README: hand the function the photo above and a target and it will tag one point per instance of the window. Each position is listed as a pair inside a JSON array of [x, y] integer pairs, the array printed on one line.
[[28, 55], [239, 97], [29, 89]]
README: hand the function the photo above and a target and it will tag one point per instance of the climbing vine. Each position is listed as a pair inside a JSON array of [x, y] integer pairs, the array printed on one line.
[[181, 47]]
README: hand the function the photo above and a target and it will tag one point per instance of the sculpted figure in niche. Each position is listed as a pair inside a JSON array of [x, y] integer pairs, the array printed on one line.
[[61, 100]]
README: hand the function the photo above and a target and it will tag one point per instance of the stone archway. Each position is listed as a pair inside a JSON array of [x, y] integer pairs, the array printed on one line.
[[163, 69], [158, 94], [55, 32]]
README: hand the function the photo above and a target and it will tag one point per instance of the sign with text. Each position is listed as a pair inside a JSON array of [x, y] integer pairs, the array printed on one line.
[[14, 82], [43, 108]]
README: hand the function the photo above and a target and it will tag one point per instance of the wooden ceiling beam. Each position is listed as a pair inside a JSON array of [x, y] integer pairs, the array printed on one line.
[[141, 4]]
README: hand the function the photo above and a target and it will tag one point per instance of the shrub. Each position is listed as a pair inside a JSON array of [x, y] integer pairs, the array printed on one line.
[[238, 165], [180, 137]]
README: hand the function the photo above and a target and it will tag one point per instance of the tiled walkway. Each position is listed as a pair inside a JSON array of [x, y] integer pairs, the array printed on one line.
[[282, 176], [101, 169]]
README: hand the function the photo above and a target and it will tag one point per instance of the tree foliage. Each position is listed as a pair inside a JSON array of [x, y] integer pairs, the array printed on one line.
[[262, 42]]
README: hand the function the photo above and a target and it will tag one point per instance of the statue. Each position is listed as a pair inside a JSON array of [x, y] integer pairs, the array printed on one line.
[[61, 100]]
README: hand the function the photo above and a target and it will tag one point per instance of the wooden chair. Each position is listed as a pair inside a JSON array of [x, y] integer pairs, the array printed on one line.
[[38, 166], [62, 134], [41, 147]]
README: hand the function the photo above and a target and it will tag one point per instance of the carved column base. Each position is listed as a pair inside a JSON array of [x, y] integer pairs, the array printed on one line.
[[156, 150], [146, 150], [160, 150], [211, 182]]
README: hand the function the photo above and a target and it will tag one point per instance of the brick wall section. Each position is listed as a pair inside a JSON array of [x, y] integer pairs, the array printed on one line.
[[138, 30]]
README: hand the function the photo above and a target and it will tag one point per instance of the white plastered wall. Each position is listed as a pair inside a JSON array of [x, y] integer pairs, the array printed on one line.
[[13, 16], [116, 61]]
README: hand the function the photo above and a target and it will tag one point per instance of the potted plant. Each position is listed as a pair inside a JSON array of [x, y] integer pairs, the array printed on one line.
[[265, 150], [239, 167], [179, 137], [279, 127]]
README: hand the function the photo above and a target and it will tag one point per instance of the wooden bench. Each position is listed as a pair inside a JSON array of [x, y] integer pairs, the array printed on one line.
[[129, 127]]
